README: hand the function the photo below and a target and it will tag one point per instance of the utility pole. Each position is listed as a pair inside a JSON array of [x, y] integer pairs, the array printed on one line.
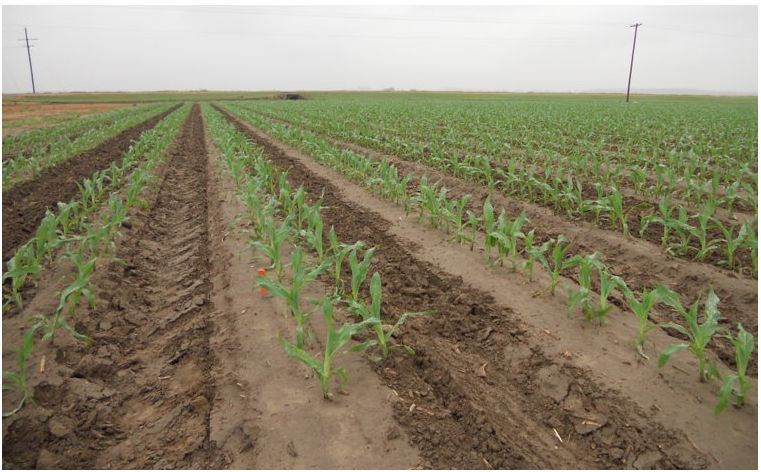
[[631, 66], [29, 55]]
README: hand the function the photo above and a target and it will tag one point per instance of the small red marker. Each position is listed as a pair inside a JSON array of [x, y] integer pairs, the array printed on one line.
[[262, 272], [263, 290]]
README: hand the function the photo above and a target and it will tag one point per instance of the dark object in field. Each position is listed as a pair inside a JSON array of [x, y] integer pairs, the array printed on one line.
[[291, 96]]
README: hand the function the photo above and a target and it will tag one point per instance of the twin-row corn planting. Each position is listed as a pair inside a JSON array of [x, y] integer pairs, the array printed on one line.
[[441, 282]]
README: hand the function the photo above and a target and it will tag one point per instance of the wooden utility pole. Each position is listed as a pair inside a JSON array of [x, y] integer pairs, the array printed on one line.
[[29, 55], [631, 66]]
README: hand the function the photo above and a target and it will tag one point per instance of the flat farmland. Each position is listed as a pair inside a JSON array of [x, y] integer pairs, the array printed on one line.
[[382, 280]]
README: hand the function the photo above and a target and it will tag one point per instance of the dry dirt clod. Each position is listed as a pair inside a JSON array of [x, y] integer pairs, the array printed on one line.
[[291, 449]]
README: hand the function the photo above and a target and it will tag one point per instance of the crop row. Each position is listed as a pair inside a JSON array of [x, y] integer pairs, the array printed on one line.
[[691, 141], [46, 147], [276, 213], [503, 233], [702, 236], [74, 234]]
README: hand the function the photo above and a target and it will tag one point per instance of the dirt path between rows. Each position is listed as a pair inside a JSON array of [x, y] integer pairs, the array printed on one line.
[[482, 390], [641, 264], [141, 396], [24, 204]]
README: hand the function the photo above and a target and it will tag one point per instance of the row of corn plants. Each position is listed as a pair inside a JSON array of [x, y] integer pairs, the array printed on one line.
[[74, 235], [700, 236], [502, 234], [277, 214], [41, 137], [47, 147], [519, 131]]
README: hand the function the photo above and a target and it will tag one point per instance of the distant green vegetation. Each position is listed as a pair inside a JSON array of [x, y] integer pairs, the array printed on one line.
[[130, 97]]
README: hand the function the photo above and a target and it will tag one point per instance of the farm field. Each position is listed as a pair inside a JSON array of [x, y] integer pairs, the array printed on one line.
[[382, 280]]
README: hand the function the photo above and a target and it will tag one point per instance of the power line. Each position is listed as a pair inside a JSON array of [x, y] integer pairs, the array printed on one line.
[[335, 36]]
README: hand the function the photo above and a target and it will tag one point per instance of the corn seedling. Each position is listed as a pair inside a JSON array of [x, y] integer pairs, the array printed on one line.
[[744, 344], [560, 262], [276, 236], [701, 231], [373, 312], [70, 297], [457, 219], [359, 270], [699, 335], [731, 243], [641, 309], [534, 253], [336, 339], [22, 265], [291, 294], [17, 380], [339, 252], [489, 226]]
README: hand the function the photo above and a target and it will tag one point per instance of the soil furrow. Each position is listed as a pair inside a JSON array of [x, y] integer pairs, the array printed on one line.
[[24, 204], [141, 396], [473, 348], [641, 264]]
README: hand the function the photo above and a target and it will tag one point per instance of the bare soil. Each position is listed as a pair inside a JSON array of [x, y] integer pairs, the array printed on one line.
[[15, 110]]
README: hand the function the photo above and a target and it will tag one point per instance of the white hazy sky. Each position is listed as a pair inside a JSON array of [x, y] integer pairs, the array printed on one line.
[[89, 48]]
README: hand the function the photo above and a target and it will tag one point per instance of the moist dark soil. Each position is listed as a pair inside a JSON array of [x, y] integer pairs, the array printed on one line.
[[480, 392], [24, 205]]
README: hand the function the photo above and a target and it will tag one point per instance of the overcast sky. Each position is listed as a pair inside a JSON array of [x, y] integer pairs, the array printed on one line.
[[435, 48]]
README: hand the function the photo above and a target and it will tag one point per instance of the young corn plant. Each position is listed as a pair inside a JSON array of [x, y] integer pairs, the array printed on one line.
[[373, 312], [70, 297], [744, 344], [699, 335], [457, 219], [338, 252], [16, 381], [731, 242], [276, 236], [68, 217], [336, 339], [489, 226], [701, 231], [560, 262], [359, 270], [534, 253], [313, 234], [21, 267], [641, 309], [292, 294], [583, 294], [506, 237]]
